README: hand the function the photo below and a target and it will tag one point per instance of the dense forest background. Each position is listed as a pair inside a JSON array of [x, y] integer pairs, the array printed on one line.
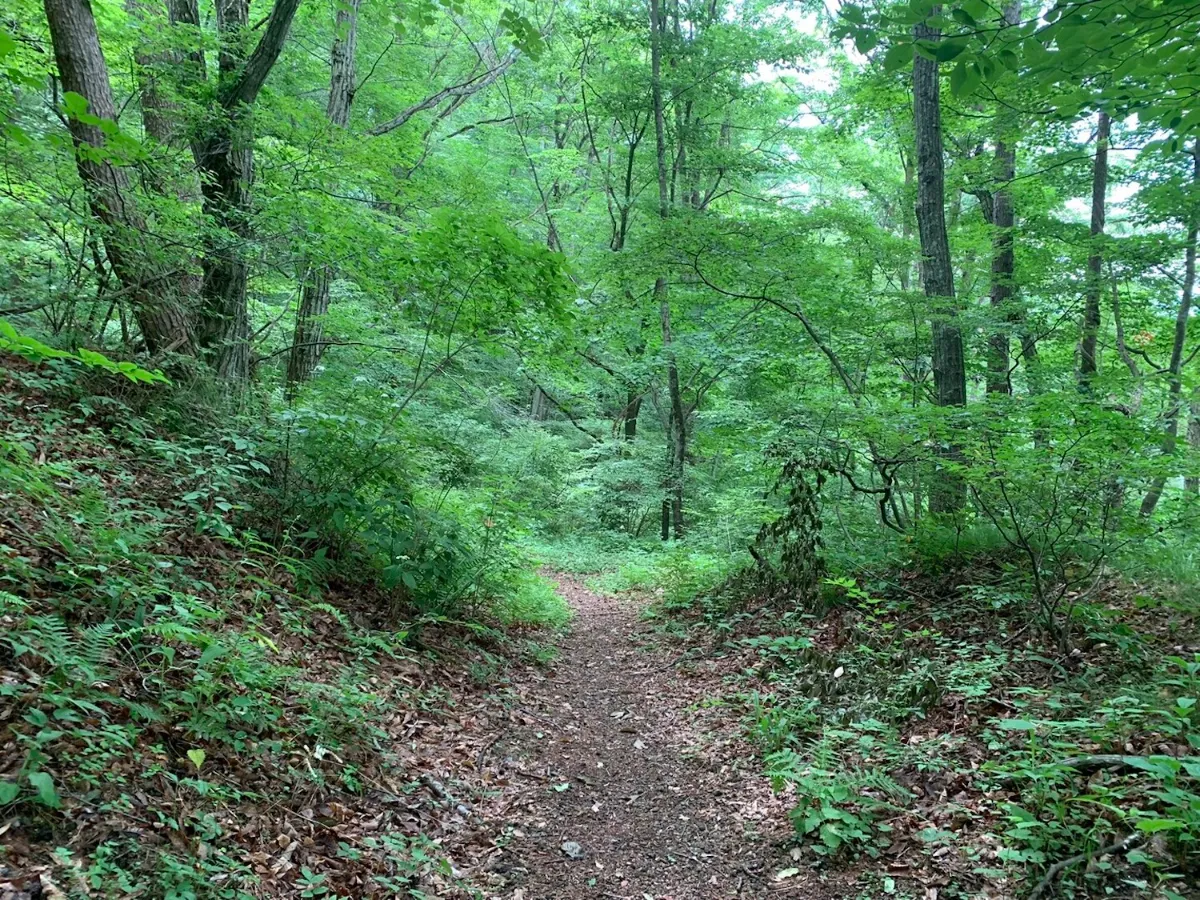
[[360, 312]]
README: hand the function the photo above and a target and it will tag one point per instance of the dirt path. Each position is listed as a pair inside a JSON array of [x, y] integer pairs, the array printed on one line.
[[660, 796]]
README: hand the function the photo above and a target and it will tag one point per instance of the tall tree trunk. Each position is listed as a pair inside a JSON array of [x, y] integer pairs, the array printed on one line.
[[226, 159], [1091, 307], [949, 368], [906, 224], [1175, 366], [307, 343], [1193, 481], [161, 117], [1003, 220], [82, 70], [677, 423]]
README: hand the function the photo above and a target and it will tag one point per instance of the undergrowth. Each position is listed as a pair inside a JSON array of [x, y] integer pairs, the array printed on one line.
[[918, 717], [200, 701], [925, 717]]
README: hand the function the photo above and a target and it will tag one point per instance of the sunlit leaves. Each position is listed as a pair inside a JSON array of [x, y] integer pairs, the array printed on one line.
[[525, 36], [1081, 54]]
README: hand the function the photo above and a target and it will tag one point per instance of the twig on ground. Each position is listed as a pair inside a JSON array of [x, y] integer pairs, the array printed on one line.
[[1055, 870]]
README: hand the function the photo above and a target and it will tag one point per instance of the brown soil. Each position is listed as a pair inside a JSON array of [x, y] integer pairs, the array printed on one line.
[[663, 799]]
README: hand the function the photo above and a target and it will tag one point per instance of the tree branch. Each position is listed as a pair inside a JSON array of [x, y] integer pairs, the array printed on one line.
[[258, 66], [464, 90]]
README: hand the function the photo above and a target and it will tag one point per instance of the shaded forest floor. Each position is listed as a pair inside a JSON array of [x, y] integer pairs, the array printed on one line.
[[628, 783], [188, 711]]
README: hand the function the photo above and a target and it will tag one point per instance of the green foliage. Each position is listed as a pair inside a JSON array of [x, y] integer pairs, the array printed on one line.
[[841, 812], [533, 602], [36, 351], [519, 350]]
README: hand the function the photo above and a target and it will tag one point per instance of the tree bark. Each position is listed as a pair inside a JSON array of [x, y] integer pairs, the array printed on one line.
[[999, 380], [537, 404], [1003, 220], [226, 159], [160, 77], [677, 423], [307, 343], [1091, 307], [83, 70], [1192, 482], [1175, 366], [937, 276], [633, 407]]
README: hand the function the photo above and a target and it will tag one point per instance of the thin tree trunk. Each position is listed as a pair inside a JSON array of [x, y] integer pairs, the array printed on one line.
[[1091, 308], [949, 369], [906, 224], [226, 159], [677, 424], [1193, 481], [307, 339], [162, 121], [1003, 219], [1003, 260], [1175, 367], [83, 71]]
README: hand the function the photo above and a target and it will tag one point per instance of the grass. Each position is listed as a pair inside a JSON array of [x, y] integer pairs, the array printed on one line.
[[533, 603]]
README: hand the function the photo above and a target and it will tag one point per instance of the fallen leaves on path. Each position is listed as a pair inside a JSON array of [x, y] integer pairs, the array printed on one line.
[[623, 785]]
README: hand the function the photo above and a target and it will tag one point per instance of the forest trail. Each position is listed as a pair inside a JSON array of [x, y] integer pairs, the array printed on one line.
[[620, 762]]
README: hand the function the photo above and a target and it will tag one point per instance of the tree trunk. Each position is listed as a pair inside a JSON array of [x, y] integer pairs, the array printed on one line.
[[307, 343], [1193, 481], [1175, 367], [1091, 308], [677, 420], [633, 407], [538, 404], [83, 71], [228, 165], [162, 121], [677, 424], [1003, 220], [160, 116], [226, 158], [906, 225], [1004, 314], [937, 276]]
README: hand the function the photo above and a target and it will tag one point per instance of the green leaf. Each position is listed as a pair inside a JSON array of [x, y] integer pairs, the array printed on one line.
[[9, 791], [964, 79], [74, 104], [898, 56], [1018, 725], [866, 41], [948, 50], [44, 785], [197, 757], [525, 37], [1150, 826]]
